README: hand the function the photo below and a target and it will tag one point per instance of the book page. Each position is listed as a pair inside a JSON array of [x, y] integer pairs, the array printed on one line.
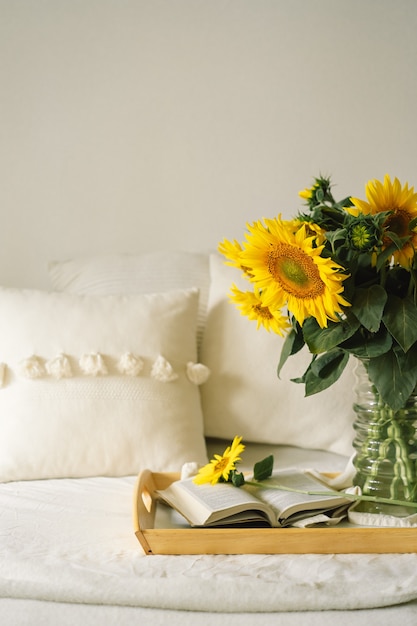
[[288, 503], [206, 504]]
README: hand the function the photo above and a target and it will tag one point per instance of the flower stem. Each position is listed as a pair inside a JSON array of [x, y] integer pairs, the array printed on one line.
[[391, 433], [331, 493]]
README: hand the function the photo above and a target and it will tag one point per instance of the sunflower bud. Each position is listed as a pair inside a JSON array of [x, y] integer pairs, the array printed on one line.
[[318, 194], [363, 233]]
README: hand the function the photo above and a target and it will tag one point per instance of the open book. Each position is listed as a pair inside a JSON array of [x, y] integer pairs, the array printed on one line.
[[224, 504]]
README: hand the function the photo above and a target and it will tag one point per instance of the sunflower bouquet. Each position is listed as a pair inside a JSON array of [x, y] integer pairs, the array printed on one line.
[[339, 278]]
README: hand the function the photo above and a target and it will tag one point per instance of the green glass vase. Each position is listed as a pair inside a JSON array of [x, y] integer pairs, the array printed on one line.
[[385, 445]]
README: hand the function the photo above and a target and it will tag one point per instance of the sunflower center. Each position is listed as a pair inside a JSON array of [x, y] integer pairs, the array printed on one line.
[[398, 222], [295, 271], [262, 311], [221, 464]]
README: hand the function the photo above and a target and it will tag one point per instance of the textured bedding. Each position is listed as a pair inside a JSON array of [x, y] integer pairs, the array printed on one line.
[[68, 549]]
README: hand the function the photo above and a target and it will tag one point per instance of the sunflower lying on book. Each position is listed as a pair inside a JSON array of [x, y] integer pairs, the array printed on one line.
[[222, 467], [341, 278]]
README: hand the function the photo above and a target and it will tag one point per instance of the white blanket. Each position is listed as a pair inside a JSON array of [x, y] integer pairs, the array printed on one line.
[[72, 541]]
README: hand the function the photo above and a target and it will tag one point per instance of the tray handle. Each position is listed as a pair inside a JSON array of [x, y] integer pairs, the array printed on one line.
[[144, 502], [144, 507]]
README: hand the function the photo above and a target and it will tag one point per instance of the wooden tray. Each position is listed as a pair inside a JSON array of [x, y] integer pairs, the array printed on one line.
[[342, 540]]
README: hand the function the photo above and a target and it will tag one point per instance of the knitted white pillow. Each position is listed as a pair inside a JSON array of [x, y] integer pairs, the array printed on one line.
[[244, 396], [98, 385]]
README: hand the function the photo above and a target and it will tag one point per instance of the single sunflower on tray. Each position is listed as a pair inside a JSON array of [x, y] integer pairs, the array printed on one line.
[[221, 466]]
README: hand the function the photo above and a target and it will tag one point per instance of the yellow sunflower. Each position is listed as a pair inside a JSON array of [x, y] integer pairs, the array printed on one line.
[[251, 304], [221, 466], [289, 266], [312, 229], [232, 251], [402, 202]]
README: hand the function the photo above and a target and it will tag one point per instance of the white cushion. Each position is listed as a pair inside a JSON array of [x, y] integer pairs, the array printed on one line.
[[97, 385], [143, 273], [244, 396]]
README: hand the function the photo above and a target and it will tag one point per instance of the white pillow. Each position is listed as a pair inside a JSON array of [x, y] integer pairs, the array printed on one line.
[[143, 273], [64, 416], [244, 396]]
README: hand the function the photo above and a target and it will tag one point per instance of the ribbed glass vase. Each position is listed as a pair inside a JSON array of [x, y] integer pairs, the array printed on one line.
[[385, 446]]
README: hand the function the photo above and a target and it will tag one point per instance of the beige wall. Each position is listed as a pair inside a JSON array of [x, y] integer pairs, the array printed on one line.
[[130, 125]]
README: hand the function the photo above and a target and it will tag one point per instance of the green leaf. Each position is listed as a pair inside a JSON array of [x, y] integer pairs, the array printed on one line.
[[344, 203], [236, 478], [394, 383], [325, 371], [368, 306], [399, 242], [366, 345], [385, 255], [408, 361], [400, 318], [293, 343], [324, 339], [336, 235], [397, 281], [263, 469]]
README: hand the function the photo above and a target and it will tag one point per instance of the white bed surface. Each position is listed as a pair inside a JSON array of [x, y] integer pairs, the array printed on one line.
[[35, 613], [69, 545]]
